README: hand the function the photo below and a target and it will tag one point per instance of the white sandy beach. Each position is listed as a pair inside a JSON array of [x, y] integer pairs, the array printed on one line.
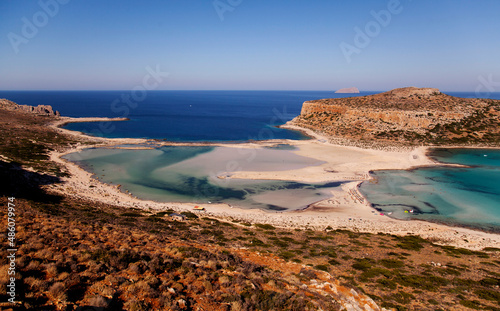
[[346, 209]]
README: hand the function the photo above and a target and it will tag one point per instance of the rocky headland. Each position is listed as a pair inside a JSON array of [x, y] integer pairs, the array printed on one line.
[[405, 116], [43, 110]]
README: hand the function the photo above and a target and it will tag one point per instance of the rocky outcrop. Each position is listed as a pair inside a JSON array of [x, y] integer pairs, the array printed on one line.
[[407, 115], [351, 90], [42, 110]]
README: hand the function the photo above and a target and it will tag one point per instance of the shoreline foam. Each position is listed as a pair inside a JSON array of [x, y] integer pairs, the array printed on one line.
[[338, 212]]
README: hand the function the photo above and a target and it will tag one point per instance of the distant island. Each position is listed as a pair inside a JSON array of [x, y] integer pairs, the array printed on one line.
[[405, 116], [348, 90]]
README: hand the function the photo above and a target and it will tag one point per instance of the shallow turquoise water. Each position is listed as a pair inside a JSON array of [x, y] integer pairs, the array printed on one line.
[[190, 174], [460, 196]]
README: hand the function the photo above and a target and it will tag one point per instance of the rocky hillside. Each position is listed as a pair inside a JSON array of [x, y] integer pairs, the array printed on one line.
[[407, 115], [44, 110]]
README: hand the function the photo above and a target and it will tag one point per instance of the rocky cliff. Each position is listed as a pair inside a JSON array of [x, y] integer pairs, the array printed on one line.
[[43, 110], [407, 115]]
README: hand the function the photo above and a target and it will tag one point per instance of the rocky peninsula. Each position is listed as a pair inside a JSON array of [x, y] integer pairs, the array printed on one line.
[[404, 117]]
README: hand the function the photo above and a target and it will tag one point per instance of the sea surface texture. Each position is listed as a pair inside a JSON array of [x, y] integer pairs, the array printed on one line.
[[468, 196], [181, 115]]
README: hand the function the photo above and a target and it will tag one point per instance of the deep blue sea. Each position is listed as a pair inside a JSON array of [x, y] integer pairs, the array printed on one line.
[[459, 196], [180, 115]]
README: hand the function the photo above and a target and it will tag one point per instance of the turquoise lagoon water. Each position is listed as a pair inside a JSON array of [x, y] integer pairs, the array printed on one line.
[[191, 174], [468, 196]]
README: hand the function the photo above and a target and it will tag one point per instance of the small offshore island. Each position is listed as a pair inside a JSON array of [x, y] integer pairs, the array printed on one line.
[[351, 137]]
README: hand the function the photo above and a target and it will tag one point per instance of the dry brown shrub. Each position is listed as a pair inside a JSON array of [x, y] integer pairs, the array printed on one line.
[[135, 268], [63, 276], [111, 279], [51, 269], [59, 257], [35, 243], [4, 274], [236, 306], [152, 281], [45, 253], [21, 262], [212, 264], [178, 287], [134, 305], [33, 265], [140, 287], [102, 289], [223, 279], [24, 249], [58, 291], [37, 285], [83, 257], [98, 301], [93, 266]]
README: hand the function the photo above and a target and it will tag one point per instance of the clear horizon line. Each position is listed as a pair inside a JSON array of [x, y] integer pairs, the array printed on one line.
[[218, 90]]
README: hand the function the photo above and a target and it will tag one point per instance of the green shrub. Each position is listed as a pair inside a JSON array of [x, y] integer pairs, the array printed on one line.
[[426, 282], [491, 249], [131, 214], [190, 215], [411, 242], [321, 267], [287, 255], [374, 272], [473, 304], [387, 284], [265, 226], [391, 263], [488, 294], [433, 302], [363, 264], [490, 282]]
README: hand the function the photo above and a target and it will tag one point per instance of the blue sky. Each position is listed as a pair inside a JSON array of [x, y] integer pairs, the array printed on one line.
[[256, 45]]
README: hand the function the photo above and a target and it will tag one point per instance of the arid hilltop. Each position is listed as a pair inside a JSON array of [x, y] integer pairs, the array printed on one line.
[[407, 115]]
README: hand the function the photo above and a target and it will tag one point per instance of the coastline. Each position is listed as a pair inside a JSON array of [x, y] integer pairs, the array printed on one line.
[[339, 212]]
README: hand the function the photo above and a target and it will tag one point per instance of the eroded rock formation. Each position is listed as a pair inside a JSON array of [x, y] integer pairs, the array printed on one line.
[[44, 110]]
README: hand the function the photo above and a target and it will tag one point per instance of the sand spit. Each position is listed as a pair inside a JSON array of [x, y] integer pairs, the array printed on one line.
[[346, 209]]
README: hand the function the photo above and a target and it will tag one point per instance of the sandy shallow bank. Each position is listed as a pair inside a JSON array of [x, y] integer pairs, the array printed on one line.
[[346, 209]]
